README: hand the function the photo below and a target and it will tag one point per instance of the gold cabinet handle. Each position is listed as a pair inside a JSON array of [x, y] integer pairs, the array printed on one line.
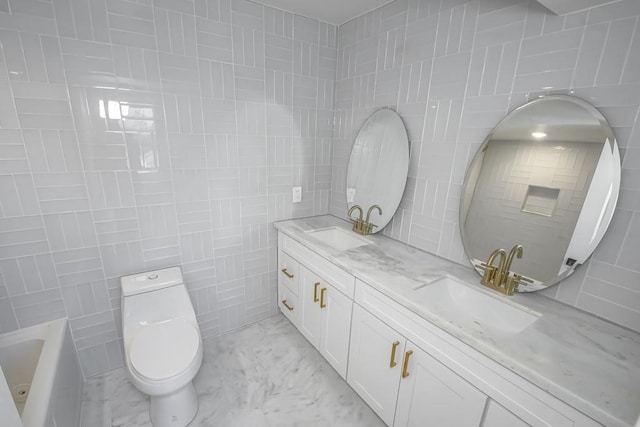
[[315, 291], [284, 302], [405, 365], [392, 362], [322, 291], [286, 273]]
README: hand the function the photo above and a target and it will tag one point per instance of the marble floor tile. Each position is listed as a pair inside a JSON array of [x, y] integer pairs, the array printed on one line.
[[264, 375]]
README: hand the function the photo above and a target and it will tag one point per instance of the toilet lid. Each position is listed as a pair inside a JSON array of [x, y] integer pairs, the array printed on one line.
[[164, 350]]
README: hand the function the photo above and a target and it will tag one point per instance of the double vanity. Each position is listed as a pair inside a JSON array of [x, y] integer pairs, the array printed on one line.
[[423, 343], [420, 338]]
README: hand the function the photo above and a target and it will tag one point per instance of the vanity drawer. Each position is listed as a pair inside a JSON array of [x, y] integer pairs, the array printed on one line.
[[288, 304], [333, 274], [288, 269]]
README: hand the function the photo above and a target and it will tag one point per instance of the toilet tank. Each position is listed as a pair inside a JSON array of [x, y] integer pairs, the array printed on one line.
[[150, 281], [153, 297]]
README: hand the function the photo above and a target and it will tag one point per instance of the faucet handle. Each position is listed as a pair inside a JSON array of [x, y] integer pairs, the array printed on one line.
[[369, 228], [357, 225], [362, 227], [517, 279], [489, 273]]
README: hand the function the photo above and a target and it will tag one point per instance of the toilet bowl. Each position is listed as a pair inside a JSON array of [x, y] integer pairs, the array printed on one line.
[[162, 344]]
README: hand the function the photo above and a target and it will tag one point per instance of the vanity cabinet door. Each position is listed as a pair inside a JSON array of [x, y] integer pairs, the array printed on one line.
[[335, 328], [309, 301], [373, 373], [325, 319], [433, 395]]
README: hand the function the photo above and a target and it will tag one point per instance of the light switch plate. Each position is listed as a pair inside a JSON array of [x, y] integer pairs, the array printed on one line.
[[296, 194]]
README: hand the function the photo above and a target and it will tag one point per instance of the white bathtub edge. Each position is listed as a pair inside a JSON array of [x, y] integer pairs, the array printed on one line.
[[10, 415], [37, 406]]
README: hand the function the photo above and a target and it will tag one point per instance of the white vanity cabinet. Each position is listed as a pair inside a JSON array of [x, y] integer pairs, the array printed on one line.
[[323, 300], [404, 384], [410, 371]]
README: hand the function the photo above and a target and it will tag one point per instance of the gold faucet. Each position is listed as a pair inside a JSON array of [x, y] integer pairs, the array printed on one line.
[[363, 226], [500, 278], [490, 270], [358, 223]]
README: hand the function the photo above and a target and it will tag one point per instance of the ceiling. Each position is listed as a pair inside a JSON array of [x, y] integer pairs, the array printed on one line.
[[338, 12], [335, 12]]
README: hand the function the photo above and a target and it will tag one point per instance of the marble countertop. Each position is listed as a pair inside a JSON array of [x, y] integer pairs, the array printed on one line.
[[589, 363]]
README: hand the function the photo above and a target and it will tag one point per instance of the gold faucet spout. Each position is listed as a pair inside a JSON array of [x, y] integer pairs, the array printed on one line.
[[492, 274], [492, 258], [369, 212], [515, 251], [353, 208], [358, 223]]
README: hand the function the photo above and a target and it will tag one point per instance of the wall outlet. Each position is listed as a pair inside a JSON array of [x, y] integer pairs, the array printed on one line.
[[296, 194], [351, 194]]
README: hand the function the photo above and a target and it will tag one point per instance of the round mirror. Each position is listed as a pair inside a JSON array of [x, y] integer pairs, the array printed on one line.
[[547, 178], [378, 166]]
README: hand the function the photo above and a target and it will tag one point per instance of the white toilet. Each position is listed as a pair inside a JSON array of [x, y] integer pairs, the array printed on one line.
[[162, 344]]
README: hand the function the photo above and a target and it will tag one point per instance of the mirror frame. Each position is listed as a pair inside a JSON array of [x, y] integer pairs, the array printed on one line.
[[393, 141], [585, 242]]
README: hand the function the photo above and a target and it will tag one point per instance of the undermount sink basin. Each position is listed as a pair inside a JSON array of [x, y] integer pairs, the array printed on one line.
[[462, 302], [338, 238]]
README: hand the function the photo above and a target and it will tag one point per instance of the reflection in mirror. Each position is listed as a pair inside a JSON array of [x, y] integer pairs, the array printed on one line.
[[547, 178], [378, 166]]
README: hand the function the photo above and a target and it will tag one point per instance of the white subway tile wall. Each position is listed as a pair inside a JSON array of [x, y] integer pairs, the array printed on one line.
[[137, 135], [453, 69]]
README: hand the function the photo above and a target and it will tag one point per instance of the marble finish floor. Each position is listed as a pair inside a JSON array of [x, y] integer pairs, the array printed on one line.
[[264, 375]]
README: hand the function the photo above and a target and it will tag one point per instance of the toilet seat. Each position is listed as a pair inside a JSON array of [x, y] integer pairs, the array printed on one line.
[[163, 350]]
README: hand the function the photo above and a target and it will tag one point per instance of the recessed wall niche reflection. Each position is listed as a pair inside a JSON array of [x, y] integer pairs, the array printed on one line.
[[546, 178], [499, 205]]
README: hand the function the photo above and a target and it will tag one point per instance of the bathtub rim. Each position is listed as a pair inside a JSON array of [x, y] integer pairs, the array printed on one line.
[[36, 407]]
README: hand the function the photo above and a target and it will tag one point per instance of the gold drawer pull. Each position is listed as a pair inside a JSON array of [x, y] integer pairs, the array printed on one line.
[[392, 362], [315, 291], [405, 365], [286, 273], [322, 291], [284, 302]]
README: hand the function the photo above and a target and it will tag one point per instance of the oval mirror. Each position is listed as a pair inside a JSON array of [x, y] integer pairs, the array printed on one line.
[[547, 178], [378, 166]]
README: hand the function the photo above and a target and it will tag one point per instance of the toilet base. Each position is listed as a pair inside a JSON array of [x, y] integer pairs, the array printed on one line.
[[176, 409]]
